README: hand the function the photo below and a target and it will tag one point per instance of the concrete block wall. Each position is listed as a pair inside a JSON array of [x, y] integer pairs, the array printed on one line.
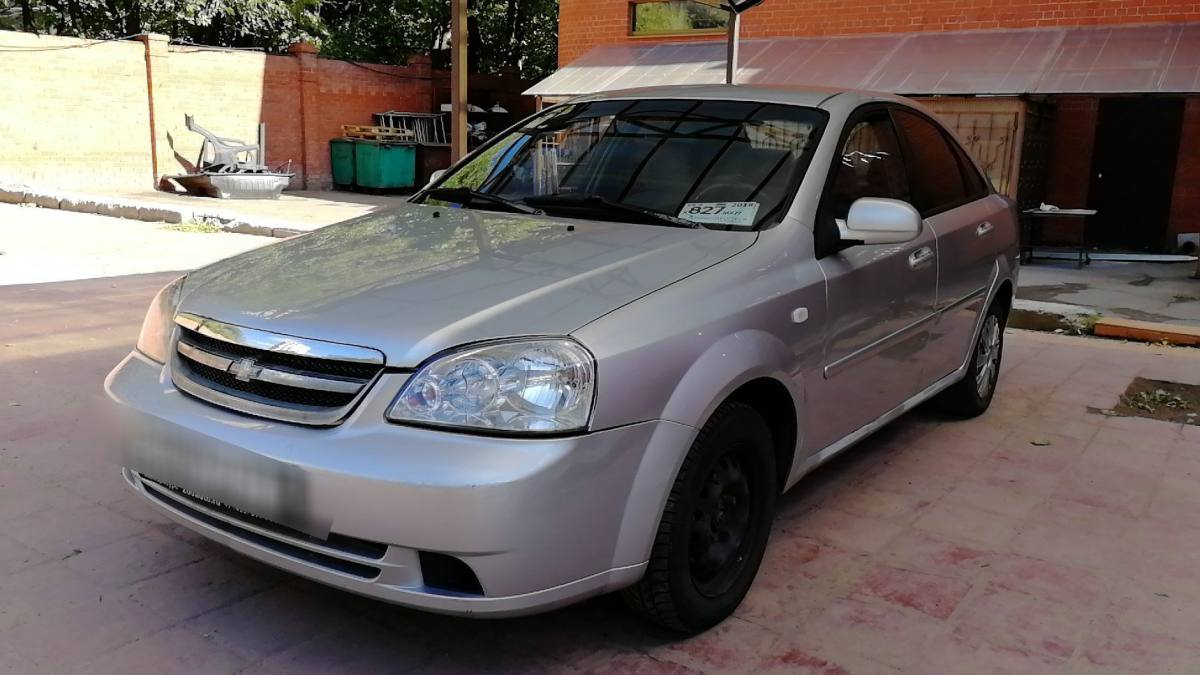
[[80, 115], [229, 93], [71, 115]]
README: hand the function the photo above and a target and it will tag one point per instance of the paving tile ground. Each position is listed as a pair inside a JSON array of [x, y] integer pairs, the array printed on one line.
[[936, 546], [47, 245]]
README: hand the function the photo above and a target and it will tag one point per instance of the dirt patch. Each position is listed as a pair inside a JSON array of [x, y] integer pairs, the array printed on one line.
[[1049, 292], [1146, 280], [1140, 315], [1159, 400]]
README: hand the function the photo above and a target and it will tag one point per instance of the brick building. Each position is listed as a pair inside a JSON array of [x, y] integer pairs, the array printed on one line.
[[1079, 103]]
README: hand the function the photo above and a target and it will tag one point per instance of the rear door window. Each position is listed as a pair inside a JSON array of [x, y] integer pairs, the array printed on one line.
[[977, 184], [933, 166]]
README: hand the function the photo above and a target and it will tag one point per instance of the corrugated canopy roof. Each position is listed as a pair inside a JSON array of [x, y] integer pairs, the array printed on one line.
[[1082, 60]]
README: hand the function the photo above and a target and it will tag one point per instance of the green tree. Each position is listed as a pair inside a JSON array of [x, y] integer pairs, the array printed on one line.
[[265, 24], [519, 36]]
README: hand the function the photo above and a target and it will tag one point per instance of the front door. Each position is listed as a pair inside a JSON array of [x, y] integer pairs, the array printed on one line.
[[1133, 171], [880, 296]]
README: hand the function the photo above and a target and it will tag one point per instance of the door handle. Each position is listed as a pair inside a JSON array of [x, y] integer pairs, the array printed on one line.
[[984, 228], [918, 258]]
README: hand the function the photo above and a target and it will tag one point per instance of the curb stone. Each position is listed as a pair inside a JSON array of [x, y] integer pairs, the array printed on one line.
[[133, 209], [11, 194], [1052, 316], [1057, 317], [1148, 331]]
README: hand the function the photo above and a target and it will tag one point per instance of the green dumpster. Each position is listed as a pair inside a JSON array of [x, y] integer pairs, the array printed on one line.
[[384, 166], [341, 157]]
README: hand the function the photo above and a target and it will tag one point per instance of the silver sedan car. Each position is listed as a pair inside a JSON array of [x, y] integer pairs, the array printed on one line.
[[587, 358]]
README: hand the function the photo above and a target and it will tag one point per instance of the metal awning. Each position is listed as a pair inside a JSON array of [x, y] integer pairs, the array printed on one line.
[[1161, 58]]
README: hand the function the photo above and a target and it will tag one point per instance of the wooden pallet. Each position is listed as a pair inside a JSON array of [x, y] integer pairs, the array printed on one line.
[[376, 133]]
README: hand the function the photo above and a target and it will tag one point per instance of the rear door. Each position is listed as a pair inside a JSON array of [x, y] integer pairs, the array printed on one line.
[[968, 221], [880, 297]]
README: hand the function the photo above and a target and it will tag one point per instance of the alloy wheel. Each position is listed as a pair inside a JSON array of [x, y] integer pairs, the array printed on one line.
[[987, 356]]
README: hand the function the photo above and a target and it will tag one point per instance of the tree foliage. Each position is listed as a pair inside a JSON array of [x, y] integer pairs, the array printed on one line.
[[519, 36]]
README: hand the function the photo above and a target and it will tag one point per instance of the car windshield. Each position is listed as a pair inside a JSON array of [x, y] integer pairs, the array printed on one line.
[[719, 164]]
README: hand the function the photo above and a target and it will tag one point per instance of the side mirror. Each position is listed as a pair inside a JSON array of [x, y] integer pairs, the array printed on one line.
[[435, 176], [875, 220]]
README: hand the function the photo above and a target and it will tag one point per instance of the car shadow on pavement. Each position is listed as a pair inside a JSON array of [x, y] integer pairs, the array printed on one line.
[[78, 549], [597, 635]]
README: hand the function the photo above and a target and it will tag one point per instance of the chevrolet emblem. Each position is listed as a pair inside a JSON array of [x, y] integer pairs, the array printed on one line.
[[243, 369]]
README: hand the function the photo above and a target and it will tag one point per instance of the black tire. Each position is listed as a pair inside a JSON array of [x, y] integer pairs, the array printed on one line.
[[965, 397], [715, 526]]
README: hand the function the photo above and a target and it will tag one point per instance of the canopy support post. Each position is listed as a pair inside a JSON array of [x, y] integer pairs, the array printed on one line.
[[458, 79], [732, 39]]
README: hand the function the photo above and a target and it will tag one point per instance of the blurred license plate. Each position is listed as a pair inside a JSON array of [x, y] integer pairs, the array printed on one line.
[[231, 477]]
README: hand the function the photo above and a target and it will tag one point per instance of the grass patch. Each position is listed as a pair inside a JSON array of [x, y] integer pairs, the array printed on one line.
[[202, 226], [1159, 400], [1082, 324]]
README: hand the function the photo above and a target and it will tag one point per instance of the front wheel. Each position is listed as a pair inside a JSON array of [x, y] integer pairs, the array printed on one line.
[[972, 395], [715, 525]]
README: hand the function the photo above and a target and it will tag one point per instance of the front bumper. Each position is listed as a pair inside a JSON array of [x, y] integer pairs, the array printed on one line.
[[540, 522]]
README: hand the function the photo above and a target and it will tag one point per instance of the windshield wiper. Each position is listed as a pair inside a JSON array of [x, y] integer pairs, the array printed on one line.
[[598, 203], [464, 196]]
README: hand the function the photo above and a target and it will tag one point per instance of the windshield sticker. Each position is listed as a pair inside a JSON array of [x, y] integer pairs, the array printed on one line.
[[720, 213]]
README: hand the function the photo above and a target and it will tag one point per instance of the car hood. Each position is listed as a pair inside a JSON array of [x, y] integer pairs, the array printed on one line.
[[417, 279]]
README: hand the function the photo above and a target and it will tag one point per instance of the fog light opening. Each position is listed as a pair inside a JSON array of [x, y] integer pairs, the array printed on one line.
[[448, 574]]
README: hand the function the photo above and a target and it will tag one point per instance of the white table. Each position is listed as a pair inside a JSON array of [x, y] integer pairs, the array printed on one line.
[[1039, 214]]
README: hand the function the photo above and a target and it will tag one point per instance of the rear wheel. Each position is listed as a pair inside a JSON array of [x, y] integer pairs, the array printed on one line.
[[715, 525], [972, 395]]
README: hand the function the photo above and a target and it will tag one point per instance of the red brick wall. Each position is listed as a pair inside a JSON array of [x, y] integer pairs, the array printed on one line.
[[584, 23], [1070, 167], [337, 93], [1185, 199]]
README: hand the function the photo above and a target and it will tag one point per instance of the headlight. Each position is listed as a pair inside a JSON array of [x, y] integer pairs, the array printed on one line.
[[155, 339], [530, 386]]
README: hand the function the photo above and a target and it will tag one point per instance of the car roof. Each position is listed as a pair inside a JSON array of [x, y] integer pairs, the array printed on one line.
[[815, 97]]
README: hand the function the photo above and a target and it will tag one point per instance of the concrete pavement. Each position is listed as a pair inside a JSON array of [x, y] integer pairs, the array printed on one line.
[[1160, 292], [293, 213], [300, 210], [1039, 538], [39, 245]]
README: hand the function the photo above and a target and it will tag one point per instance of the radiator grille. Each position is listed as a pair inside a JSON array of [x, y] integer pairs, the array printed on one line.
[[268, 375]]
